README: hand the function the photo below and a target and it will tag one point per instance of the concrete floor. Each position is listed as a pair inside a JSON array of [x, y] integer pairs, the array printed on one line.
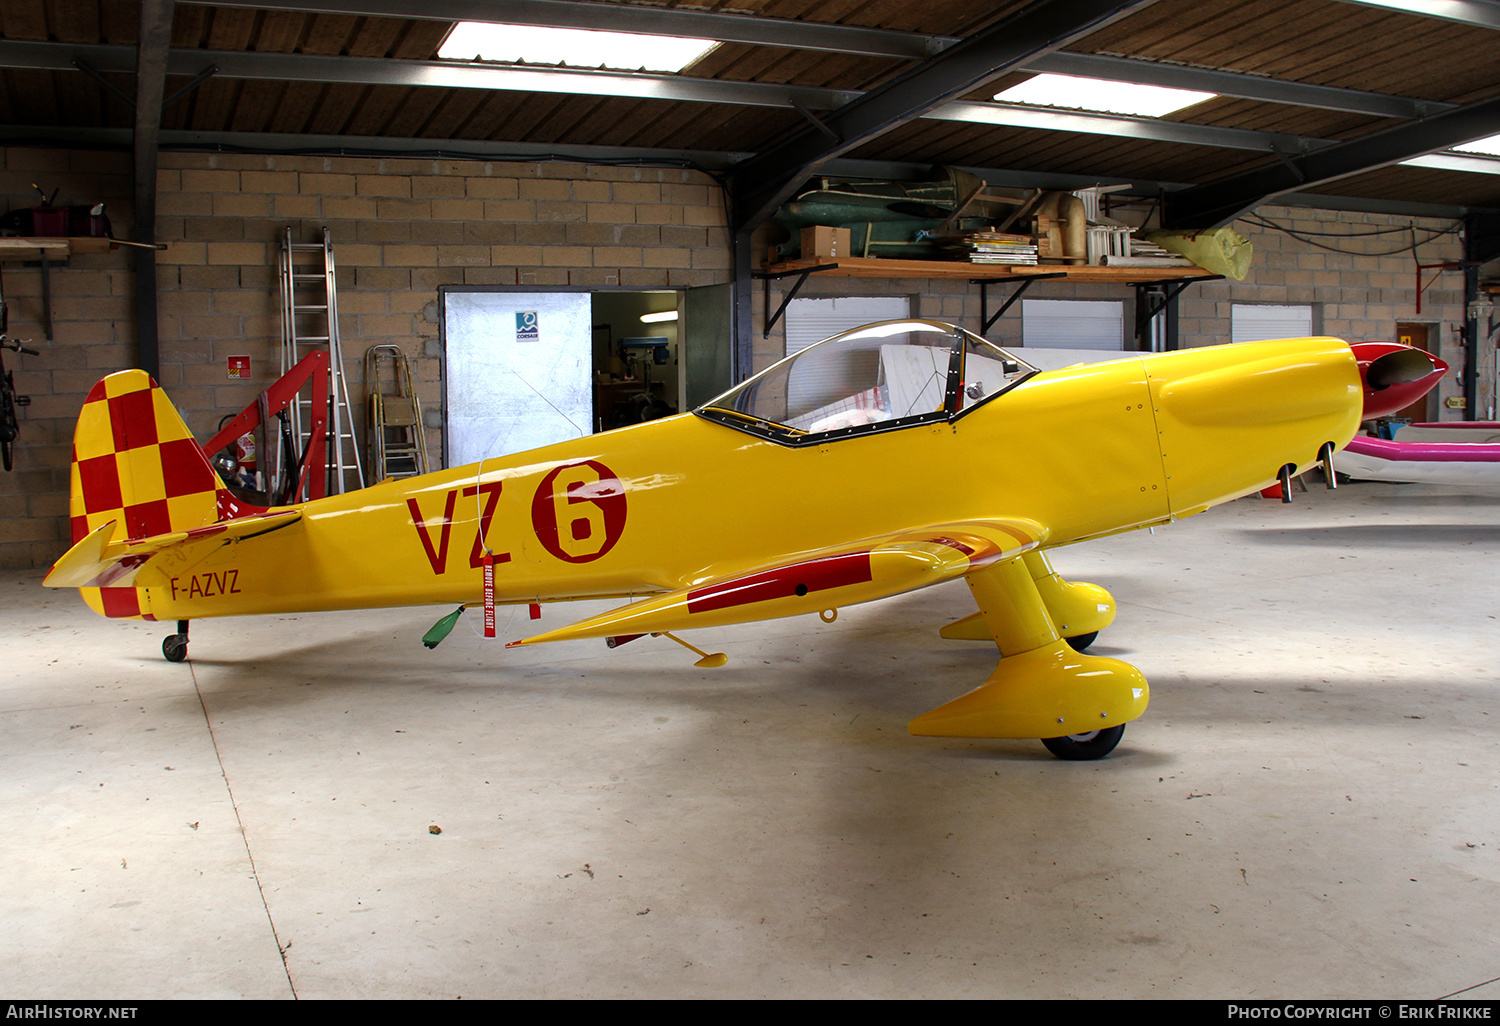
[[1309, 808]]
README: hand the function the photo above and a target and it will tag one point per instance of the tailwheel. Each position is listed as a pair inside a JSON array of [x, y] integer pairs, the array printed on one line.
[[1094, 744], [174, 646], [1081, 642]]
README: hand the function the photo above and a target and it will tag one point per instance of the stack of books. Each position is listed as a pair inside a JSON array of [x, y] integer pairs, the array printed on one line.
[[982, 247]]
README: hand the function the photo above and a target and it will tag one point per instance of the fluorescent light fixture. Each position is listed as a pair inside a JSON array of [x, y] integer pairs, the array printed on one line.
[[1102, 95], [1456, 162], [576, 48], [657, 318], [1489, 144]]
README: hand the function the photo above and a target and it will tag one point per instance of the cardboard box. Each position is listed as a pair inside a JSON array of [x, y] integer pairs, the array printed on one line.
[[821, 241]]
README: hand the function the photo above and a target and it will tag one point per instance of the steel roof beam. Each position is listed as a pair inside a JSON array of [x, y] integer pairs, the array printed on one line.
[[300, 67], [762, 183], [117, 59], [614, 17], [1120, 126], [1235, 83], [461, 74], [801, 35], [287, 143], [373, 71], [709, 161], [150, 85], [1220, 202]]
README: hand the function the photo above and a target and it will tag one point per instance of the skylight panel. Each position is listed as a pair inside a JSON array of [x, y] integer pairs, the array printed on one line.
[[1431, 8], [1489, 144], [1101, 95], [575, 48], [1456, 162]]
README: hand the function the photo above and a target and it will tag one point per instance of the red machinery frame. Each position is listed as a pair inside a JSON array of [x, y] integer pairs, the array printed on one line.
[[312, 367]]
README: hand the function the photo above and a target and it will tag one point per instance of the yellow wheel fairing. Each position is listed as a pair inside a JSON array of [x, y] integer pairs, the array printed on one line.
[[1047, 692]]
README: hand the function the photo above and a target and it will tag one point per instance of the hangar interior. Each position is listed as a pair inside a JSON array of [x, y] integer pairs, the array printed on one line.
[[315, 805]]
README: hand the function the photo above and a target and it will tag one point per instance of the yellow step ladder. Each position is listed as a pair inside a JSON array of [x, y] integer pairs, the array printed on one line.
[[397, 440]]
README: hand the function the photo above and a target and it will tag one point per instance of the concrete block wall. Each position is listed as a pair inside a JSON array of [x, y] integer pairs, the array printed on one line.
[[1360, 272], [93, 311], [402, 229]]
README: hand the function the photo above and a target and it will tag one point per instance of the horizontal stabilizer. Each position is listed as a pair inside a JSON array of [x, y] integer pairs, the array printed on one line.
[[817, 581], [97, 561]]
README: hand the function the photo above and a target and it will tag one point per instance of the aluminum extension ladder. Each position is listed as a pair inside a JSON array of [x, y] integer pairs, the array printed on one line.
[[395, 433], [310, 320]]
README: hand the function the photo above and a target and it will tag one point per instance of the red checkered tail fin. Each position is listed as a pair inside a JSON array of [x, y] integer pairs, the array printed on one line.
[[135, 464]]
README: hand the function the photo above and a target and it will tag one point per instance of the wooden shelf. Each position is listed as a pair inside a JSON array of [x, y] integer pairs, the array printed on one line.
[[1162, 279], [34, 247], [857, 267]]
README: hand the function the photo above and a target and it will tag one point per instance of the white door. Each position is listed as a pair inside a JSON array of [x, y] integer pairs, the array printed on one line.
[[518, 367], [1092, 324], [813, 320], [1252, 322]]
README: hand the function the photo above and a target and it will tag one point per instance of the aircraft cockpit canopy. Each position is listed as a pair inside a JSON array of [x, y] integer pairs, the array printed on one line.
[[877, 377]]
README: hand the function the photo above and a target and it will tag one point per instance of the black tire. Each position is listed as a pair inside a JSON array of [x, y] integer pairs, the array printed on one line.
[[1082, 641], [174, 647], [1096, 744]]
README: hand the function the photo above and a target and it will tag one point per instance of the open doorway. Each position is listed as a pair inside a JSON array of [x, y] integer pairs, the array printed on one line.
[[1421, 336], [637, 358], [525, 368]]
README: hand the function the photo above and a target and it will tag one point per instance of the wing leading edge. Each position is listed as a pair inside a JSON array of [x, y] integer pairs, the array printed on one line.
[[816, 581]]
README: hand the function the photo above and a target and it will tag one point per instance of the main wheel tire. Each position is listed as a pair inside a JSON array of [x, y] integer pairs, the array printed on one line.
[[1082, 641], [1096, 744], [174, 647]]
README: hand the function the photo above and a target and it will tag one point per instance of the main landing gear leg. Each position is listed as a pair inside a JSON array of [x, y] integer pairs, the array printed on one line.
[[1042, 688], [175, 645], [1078, 610]]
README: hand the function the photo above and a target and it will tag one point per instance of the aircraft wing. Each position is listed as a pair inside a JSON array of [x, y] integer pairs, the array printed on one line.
[[97, 561], [815, 581]]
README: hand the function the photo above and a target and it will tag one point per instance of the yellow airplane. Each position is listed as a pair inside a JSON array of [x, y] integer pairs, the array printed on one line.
[[887, 458]]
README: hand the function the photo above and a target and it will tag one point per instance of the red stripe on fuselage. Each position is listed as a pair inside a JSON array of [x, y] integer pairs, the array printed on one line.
[[784, 582]]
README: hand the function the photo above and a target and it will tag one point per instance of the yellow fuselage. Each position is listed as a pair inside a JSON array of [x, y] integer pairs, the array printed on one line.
[[1083, 452]]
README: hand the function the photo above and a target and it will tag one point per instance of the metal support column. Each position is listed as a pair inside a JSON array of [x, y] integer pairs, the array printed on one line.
[[742, 341], [1157, 297]]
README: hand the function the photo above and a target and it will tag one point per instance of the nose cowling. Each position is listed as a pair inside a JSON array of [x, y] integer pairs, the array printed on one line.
[[1230, 417], [1395, 375]]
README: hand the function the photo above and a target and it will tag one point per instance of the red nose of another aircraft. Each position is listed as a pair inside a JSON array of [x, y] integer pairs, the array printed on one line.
[[1394, 375]]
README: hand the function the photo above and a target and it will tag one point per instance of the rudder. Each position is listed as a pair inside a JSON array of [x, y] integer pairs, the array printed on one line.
[[136, 464]]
